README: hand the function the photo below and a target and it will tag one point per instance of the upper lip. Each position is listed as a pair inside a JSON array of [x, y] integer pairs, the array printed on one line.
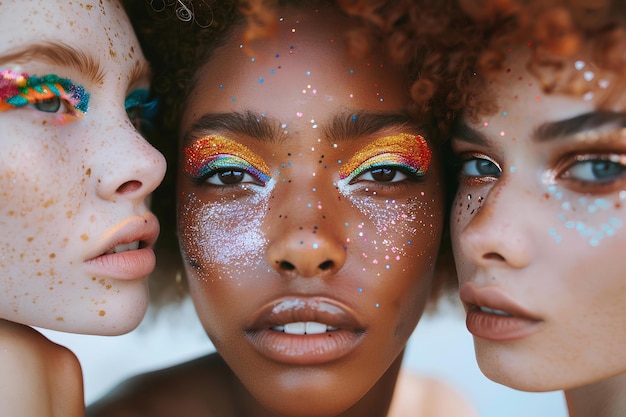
[[493, 298], [143, 229], [302, 309]]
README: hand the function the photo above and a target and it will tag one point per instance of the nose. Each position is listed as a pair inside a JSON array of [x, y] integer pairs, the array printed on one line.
[[128, 167], [499, 234], [306, 253]]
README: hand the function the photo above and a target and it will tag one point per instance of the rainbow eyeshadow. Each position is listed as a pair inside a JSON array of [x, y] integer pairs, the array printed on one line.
[[212, 153], [408, 151], [20, 89]]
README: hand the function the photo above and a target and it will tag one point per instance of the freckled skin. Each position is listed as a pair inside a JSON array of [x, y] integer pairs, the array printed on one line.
[[62, 185], [553, 244]]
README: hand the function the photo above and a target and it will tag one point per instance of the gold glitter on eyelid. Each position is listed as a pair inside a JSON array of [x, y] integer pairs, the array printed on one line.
[[408, 145], [219, 145]]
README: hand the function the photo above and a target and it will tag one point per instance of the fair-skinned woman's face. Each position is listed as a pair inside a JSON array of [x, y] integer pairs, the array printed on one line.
[[538, 230], [310, 213], [74, 173]]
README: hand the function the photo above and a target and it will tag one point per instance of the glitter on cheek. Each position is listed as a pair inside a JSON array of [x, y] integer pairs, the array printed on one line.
[[589, 217], [225, 234], [395, 222]]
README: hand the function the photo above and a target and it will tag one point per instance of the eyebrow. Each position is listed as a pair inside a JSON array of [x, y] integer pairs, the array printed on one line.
[[548, 131], [586, 122], [246, 123], [59, 53], [343, 126], [346, 125]]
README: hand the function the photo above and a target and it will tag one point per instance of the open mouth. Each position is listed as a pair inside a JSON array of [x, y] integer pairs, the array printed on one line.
[[126, 247], [493, 311], [302, 327]]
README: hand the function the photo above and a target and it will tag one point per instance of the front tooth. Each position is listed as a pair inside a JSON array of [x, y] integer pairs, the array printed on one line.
[[295, 328], [313, 327], [133, 245], [124, 247]]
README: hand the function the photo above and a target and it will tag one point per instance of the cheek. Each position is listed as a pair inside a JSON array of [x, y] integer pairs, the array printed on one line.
[[395, 231], [216, 236], [586, 218]]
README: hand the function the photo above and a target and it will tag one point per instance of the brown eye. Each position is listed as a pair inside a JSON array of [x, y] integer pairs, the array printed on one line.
[[383, 174], [230, 177]]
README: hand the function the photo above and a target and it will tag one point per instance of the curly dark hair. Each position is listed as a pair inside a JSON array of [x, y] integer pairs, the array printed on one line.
[[432, 38]]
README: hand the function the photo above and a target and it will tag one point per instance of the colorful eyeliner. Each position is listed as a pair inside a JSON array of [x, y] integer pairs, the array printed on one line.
[[212, 153], [409, 151], [19, 89]]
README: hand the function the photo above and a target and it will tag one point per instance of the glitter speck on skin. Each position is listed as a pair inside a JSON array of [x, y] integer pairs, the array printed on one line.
[[502, 133]]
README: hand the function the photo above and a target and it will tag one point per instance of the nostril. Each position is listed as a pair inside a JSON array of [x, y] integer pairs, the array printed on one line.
[[286, 266], [128, 187], [493, 256], [326, 265]]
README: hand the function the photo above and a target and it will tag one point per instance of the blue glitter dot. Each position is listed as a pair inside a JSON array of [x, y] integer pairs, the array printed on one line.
[[272, 71], [315, 246], [232, 99], [504, 113], [221, 86], [377, 305], [351, 71], [277, 55], [308, 73], [410, 242], [387, 267], [354, 117], [513, 169], [360, 289], [261, 80], [346, 224], [252, 59]]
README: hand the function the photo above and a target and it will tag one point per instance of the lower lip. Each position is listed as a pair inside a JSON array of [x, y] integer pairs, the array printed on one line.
[[313, 349], [129, 265], [499, 328]]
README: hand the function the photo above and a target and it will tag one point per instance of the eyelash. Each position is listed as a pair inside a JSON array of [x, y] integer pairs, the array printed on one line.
[[219, 164], [141, 108], [410, 172], [564, 170], [478, 178], [20, 90]]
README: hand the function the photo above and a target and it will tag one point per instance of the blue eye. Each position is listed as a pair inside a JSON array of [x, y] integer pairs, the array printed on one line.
[[480, 166], [595, 170], [141, 107]]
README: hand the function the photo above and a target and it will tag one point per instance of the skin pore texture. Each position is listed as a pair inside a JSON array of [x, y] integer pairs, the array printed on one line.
[[538, 229], [75, 177], [309, 202]]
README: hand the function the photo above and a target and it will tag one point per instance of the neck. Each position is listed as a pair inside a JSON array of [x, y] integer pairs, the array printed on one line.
[[606, 398]]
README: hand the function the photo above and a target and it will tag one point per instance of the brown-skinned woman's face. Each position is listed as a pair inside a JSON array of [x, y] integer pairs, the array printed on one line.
[[310, 213]]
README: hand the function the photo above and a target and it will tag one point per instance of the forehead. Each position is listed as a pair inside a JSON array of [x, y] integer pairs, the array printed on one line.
[[94, 24], [305, 64]]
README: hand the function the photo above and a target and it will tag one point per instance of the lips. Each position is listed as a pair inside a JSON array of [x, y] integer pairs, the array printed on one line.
[[305, 330], [494, 316], [127, 249]]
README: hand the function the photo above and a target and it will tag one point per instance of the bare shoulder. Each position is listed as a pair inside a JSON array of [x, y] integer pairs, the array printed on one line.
[[46, 377], [199, 387], [418, 396]]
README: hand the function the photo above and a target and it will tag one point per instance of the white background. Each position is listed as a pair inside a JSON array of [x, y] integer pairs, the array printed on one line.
[[441, 346]]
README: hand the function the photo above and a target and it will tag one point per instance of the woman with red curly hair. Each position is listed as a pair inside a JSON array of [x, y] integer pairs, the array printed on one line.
[[539, 221]]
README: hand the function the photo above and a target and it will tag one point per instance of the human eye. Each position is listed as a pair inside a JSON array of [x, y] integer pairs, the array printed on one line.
[[141, 108], [478, 168], [219, 161], [388, 160], [48, 94], [593, 172]]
